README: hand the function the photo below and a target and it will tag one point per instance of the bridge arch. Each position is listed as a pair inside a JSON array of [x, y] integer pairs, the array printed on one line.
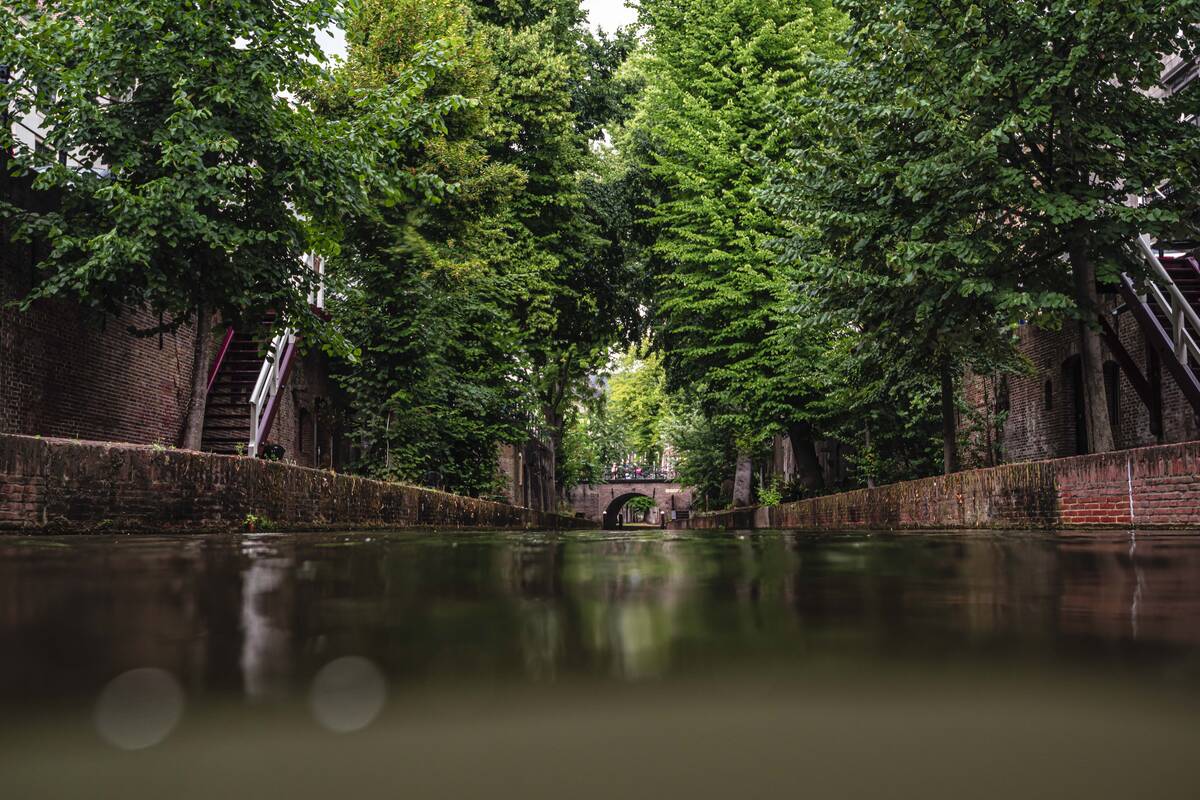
[[613, 510], [602, 502]]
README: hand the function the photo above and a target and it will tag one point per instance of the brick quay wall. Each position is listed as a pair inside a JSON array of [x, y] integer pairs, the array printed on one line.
[[67, 486], [1146, 488]]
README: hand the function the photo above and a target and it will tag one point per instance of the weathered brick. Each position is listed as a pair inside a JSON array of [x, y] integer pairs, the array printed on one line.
[[85, 486], [1082, 491]]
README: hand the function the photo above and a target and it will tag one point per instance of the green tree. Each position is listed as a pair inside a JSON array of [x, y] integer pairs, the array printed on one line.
[[638, 398], [725, 83], [981, 161], [430, 283], [188, 180], [481, 305], [706, 453], [595, 439], [552, 94]]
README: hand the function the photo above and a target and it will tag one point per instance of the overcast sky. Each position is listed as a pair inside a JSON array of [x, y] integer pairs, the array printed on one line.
[[609, 14], [606, 14]]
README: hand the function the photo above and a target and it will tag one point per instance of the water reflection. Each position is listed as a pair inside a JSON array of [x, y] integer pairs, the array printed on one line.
[[266, 639], [261, 616]]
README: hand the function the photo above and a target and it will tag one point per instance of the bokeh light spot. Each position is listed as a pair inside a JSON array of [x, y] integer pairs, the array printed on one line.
[[139, 708], [347, 694]]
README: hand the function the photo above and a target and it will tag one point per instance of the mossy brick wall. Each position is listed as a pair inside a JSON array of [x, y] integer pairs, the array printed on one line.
[[63, 485], [1163, 484]]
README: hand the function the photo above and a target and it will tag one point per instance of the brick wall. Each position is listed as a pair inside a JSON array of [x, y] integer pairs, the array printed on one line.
[[306, 424], [63, 373], [1041, 418], [1095, 491], [53, 485]]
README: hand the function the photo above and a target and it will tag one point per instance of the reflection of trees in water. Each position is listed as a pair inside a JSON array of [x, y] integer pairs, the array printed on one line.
[[261, 616], [628, 595]]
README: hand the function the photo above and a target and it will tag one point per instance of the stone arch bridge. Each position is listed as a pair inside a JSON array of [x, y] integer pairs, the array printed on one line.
[[602, 503]]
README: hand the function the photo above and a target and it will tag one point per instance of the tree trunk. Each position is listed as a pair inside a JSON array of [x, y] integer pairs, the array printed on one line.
[[867, 445], [544, 473], [1095, 405], [741, 481], [804, 456], [949, 421], [193, 428], [554, 423]]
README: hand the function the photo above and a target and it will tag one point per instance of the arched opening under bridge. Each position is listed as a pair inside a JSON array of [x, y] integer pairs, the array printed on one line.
[[612, 514], [602, 503]]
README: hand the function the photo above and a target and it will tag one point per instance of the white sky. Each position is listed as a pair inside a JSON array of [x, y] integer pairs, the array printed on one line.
[[606, 14], [609, 14]]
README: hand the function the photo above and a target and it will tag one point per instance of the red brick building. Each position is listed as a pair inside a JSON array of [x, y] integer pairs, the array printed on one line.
[[67, 373], [1040, 415]]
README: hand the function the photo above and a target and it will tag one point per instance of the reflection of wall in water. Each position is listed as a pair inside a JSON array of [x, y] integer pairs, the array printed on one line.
[[266, 652]]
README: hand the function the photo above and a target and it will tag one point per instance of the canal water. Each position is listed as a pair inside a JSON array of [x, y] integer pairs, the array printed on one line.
[[600, 664]]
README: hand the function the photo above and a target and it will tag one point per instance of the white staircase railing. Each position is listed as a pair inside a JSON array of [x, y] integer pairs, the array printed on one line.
[[266, 388], [316, 296], [1162, 292], [272, 375]]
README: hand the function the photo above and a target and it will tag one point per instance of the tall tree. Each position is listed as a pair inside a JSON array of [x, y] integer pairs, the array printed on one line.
[[190, 181], [429, 282], [724, 85], [554, 88], [1000, 146]]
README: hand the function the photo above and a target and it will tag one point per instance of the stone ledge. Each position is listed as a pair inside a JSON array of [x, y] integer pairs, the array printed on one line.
[[69, 486], [1161, 484]]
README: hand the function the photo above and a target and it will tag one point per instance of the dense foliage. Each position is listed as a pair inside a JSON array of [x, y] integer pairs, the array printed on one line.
[[723, 83], [818, 214], [187, 181], [481, 308], [623, 422], [426, 290], [976, 168]]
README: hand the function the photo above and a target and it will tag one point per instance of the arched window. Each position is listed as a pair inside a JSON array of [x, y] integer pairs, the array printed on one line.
[[1048, 393]]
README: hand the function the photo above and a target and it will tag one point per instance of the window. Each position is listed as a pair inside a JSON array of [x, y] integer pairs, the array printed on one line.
[[1048, 394]]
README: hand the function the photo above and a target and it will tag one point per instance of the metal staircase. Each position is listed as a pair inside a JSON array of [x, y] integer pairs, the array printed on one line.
[[231, 385], [1167, 307], [247, 378]]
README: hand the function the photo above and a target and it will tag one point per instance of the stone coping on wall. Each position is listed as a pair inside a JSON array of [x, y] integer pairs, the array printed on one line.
[[1146, 488], [69, 486]]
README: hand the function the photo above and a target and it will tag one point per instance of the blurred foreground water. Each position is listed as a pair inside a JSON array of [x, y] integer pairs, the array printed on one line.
[[600, 664]]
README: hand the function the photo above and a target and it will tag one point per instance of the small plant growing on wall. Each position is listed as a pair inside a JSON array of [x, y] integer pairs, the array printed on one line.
[[772, 493], [253, 523]]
